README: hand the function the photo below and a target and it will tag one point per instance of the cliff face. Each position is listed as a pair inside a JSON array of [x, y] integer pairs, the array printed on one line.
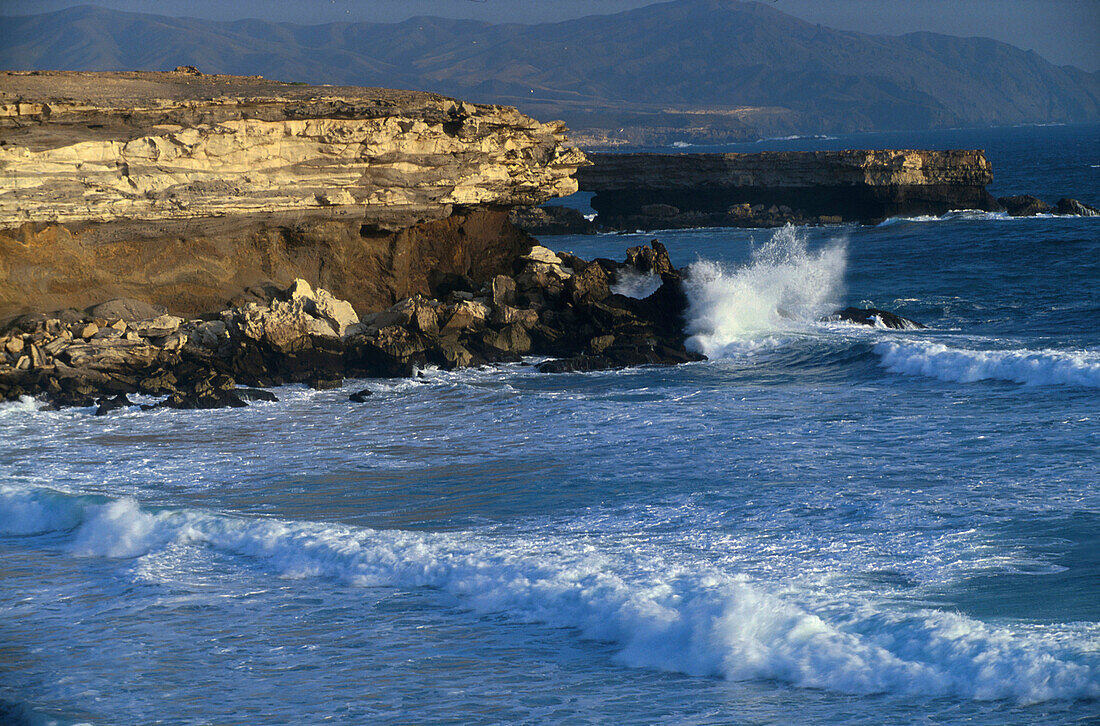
[[182, 189], [852, 185]]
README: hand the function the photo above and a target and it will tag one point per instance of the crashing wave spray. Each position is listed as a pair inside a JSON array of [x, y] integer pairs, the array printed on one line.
[[784, 287]]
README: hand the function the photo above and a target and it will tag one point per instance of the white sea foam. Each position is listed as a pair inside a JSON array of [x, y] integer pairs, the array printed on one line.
[[636, 284], [957, 214], [959, 365], [784, 287], [659, 614], [23, 405]]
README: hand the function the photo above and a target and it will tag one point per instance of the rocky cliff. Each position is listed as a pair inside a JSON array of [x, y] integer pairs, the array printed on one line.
[[730, 189], [183, 189]]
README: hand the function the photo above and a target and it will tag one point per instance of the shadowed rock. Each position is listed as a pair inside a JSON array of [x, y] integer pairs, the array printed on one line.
[[875, 318]]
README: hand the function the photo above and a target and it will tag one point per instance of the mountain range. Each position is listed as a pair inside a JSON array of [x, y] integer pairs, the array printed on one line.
[[691, 69]]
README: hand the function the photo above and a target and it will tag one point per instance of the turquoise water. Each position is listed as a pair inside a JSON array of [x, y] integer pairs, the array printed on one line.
[[822, 524]]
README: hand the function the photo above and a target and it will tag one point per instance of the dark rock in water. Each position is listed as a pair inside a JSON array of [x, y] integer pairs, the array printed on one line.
[[106, 405], [208, 399], [1076, 208], [874, 318], [325, 384], [127, 309], [1023, 205], [360, 396], [255, 394]]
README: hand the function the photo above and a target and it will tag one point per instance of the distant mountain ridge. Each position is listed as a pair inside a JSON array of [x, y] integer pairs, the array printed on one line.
[[704, 69]]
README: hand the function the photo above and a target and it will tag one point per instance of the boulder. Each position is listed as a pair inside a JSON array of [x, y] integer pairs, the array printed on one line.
[[542, 254], [464, 316], [106, 405], [1076, 208], [255, 394], [128, 309], [875, 318], [325, 383], [159, 327], [1023, 205], [361, 396], [508, 315], [285, 326], [421, 313], [338, 312], [590, 284], [650, 260], [503, 290]]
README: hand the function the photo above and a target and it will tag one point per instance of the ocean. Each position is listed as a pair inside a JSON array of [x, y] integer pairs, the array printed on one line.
[[822, 524]]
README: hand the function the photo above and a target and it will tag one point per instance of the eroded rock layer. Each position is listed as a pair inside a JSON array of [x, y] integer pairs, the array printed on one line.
[[646, 190], [184, 190], [152, 146]]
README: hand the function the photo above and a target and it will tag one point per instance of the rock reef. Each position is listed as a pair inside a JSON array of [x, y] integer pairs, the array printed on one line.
[[775, 188]]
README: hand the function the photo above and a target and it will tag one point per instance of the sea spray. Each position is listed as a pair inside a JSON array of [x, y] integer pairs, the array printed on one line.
[[688, 617], [783, 287]]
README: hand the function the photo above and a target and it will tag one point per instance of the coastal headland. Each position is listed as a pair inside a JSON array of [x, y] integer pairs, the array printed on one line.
[[174, 226], [771, 188], [184, 235]]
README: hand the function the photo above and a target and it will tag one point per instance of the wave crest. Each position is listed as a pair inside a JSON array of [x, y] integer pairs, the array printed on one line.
[[958, 365], [696, 620]]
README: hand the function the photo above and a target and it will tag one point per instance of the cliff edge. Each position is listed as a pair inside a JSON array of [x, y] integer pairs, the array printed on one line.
[[184, 189], [640, 190]]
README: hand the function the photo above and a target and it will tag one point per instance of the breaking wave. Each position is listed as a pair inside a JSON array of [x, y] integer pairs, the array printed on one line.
[[958, 365], [692, 619], [783, 287]]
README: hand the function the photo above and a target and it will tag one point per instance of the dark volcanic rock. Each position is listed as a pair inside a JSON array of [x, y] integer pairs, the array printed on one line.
[[554, 305], [255, 394], [360, 396], [106, 405], [1023, 205], [874, 318], [1076, 208]]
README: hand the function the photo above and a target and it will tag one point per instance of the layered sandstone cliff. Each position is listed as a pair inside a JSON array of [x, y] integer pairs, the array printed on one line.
[[801, 186], [183, 189]]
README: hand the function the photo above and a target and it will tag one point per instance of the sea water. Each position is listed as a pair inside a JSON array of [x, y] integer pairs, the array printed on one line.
[[823, 523]]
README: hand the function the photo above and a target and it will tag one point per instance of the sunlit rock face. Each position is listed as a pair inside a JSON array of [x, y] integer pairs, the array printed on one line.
[[184, 188]]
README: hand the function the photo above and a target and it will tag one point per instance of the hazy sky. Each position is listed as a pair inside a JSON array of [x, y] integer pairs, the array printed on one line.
[[1063, 31]]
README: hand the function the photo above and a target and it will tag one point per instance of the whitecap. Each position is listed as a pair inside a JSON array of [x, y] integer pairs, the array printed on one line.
[[959, 365]]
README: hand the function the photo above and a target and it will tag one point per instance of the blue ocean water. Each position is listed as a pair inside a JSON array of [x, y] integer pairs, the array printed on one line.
[[822, 524]]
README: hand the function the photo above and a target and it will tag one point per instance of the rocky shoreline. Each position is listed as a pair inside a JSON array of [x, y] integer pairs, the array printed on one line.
[[641, 191], [555, 305]]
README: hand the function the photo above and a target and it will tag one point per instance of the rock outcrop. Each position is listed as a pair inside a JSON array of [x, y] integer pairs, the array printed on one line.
[[774, 188], [874, 318], [182, 189], [550, 305]]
